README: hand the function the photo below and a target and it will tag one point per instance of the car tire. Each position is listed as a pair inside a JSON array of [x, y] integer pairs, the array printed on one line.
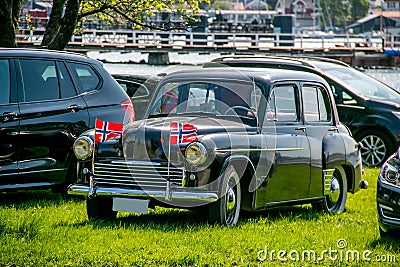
[[377, 147], [100, 208], [226, 209], [335, 201]]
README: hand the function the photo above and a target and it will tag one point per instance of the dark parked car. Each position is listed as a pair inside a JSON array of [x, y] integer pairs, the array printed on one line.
[[140, 88], [226, 141], [368, 107], [388, 197], [47, 99]]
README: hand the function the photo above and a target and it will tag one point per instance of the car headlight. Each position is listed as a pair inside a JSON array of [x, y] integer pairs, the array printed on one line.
[[196, 154], [390, 171], [83, 147]]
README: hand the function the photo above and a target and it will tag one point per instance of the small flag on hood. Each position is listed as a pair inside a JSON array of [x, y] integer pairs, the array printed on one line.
[[182, 133], [105, 130]]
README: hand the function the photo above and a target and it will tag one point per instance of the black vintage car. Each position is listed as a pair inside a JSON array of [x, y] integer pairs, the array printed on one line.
[[388, 197], [225, 140], [47, 99]]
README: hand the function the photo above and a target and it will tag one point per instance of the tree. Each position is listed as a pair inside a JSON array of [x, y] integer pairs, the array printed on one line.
[[61, 25], [342, 13], [66, 15], [9, 15], [359, 9], [336, 12]]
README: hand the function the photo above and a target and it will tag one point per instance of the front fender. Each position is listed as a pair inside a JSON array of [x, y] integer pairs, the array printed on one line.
[[246, 171]]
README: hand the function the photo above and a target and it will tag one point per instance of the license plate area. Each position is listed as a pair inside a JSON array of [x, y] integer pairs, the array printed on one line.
[[131, 205]]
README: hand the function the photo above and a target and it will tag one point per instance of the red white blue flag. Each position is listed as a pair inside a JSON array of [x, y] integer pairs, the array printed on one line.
[[182, 133], [105, 130]]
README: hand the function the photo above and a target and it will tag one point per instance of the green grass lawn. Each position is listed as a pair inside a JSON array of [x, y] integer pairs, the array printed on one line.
[[41, 229]]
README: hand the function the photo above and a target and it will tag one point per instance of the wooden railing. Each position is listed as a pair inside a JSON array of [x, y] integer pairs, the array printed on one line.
[[220, 40]]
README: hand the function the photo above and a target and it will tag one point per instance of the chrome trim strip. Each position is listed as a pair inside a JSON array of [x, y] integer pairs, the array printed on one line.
[[40, 171], [258, 149], [385, 207], [27, 185], [349, 106], [383, 214], [201, 196], [292, 200]]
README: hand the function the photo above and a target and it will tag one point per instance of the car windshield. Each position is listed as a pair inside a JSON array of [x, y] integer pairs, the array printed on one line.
[[210, 98], [363, 84]]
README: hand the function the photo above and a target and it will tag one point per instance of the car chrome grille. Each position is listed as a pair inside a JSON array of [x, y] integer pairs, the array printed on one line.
[[135, 174]]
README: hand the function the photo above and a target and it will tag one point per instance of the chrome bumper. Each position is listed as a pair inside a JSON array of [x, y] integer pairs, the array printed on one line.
[[177, 194]]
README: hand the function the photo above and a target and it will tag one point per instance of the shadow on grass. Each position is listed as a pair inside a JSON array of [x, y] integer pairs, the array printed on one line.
[[390, 245], [34, 198], [290, 213], [181, 220]]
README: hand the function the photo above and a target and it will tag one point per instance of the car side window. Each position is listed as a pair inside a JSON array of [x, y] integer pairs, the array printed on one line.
[[282, 105], [316, 104], [39, 80], [348, 99], [66, 85], [4, 81], [85, 76]]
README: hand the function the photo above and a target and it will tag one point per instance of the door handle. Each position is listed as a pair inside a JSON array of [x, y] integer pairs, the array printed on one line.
[[8, 116], [74, 108], [301, 128], [333, 129]]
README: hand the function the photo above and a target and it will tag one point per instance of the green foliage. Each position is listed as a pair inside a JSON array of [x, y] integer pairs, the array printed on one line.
[[56, 232], [342, 13], [137, 11], [222, 5], [359, 9]]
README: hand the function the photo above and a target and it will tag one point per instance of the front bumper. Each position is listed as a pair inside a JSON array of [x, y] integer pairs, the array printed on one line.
[[388, 204], [174, 195]]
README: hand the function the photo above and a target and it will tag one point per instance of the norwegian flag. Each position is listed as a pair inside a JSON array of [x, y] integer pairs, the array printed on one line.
[[105, 130], [182, 133]]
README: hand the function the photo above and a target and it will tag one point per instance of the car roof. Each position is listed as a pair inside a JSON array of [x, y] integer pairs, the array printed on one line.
[[244, 74], [300, 61], [44, 53]]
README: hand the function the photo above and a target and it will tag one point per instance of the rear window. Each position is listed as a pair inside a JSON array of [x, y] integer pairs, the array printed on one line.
[[85, 76]]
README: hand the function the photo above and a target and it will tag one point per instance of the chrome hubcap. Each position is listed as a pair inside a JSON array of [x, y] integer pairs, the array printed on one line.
[[230, 201], [374, 150], [335, 190]]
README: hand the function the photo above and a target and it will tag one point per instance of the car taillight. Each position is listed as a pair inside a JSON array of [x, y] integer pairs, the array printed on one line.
[[129, 110]]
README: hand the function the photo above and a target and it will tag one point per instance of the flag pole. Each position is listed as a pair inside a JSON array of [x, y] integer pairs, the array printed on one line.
[[168, 194], [92, 190]]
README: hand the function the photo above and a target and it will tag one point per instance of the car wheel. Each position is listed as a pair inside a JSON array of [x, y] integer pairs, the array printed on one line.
[[335, 201], [226, 209], [377, 146], [100, 208]]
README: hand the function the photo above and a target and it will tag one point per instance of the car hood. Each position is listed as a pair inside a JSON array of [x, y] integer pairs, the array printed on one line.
[[159, 138]]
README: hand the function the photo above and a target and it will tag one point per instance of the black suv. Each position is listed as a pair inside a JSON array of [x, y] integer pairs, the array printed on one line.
[[47, 99], [370, 108]]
